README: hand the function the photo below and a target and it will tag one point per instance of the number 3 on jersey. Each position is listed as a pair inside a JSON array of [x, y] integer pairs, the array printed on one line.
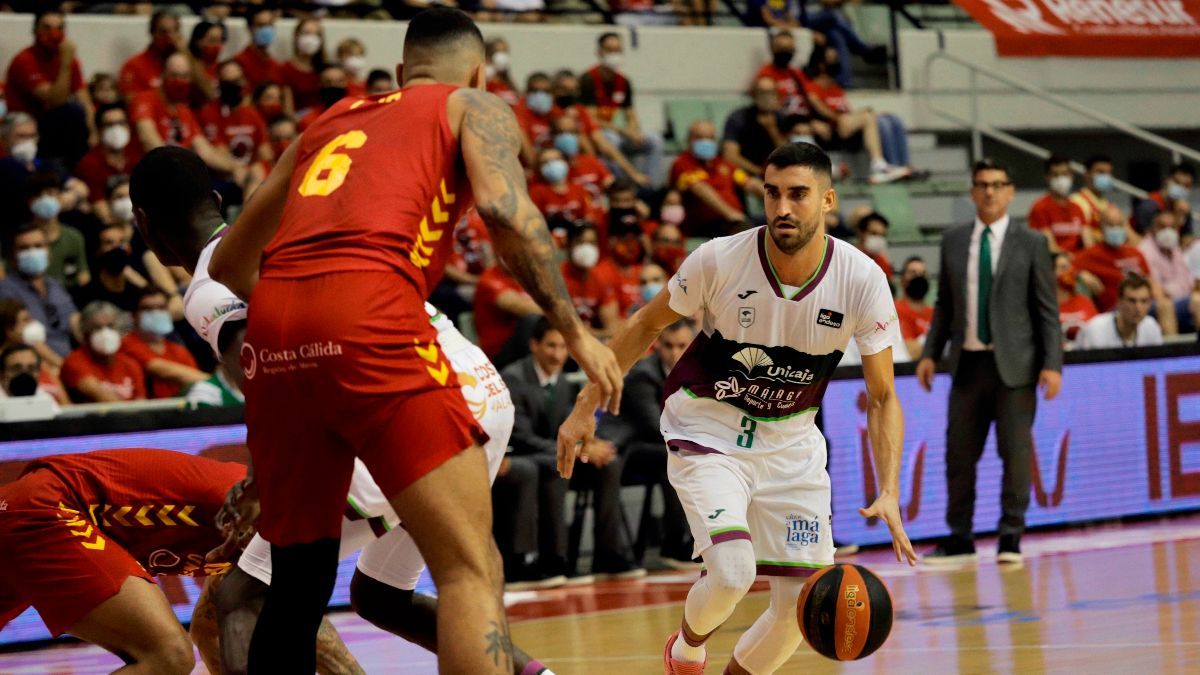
[[746, 440], [329, 168]]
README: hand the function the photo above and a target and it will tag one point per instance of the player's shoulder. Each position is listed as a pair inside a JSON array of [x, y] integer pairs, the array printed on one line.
[[843, 254]]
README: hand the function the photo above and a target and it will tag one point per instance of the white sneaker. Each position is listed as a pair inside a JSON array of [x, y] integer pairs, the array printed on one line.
[[889, 174], [1009, 558]]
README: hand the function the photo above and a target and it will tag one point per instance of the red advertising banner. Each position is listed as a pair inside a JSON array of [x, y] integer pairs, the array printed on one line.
[[1108, 28]]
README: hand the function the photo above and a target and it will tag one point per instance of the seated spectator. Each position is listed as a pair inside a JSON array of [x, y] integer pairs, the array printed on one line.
[[584, 169], [883, 136], [606, 91], [45, 298], [379, 82], [872, 240], [232, 123], [773, 13], [533, 115], [334, 85], [651, 280], [753, 132], [1129, 325], [257, 63], [667, 248], [792, 86], [99, 370], [470, 256], [20, 370], [625, 234], [268, 100], [1055, 215], [168, 365], [914, 313], [301, 74], [145, 269], [46, 81], [671, 210], [501, 305], [542, 398], [1091, 198], [709, 185], [591, 284], [144, 70], [1074, 308], [103, 90], [1110, 260], [68, 253], [115, 154], [554, 195], [352, 57], [1169, 271], [1173, 197], [18, 161], [592, 137], [205, 47], [281, 132], [223, 388], [499, 82], [840, 36], [111, 278], [17, 326]]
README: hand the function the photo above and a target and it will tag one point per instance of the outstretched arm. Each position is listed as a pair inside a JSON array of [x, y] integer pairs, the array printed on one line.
[[885, 426]]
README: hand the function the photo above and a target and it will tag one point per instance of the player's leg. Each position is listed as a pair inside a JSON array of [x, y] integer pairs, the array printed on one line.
[[138, 625], [205, 629], [775, 636]]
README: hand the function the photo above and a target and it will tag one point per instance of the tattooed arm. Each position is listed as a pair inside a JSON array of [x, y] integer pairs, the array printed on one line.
[[491, 147]]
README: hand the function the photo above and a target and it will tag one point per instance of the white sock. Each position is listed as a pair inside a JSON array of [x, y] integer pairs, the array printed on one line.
[[682, 651]]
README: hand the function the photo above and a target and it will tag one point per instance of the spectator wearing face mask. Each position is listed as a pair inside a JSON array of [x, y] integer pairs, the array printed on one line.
[[20, 370], [1092, 198], [282, 131], [1055, 215], [1128, 325], [1109, 261], [555, 195], [914, 313], [1173, 198], [68, 253], [651, 280], [671, 210], [110, 278], [379, 82], [710, 185], [115, 154], [18, 326], [566, 103], [352, 56], [793, 86], [627, 242], [606, 91], [1074, 308], [1169, 271], [533, 115], [499, 82], [144, 70], [301, 74], [205, 46], [667, 248], [144, 267], [44, 297], [232, 123], [592, 286], [98, 370], [584, 169], [268, 101], [256, 60], [753, 132], [168, 365], [872, 240]]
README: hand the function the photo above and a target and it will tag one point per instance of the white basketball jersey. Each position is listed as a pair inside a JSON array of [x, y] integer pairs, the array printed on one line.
[[208, 305], [753, 378]]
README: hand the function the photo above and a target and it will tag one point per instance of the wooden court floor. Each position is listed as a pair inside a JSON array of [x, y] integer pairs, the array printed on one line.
[[1105, 600]]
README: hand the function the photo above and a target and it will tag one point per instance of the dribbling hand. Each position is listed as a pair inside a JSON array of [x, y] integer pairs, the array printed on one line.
[[237, 520], [577, 431], [887, 508], [602, 369], [925, 370]]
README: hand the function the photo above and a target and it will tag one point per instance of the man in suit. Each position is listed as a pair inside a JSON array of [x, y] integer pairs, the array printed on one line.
[[543, 398], [996, 307]]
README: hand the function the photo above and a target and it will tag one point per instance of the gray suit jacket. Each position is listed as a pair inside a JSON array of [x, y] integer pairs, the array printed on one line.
[[1023, 309]]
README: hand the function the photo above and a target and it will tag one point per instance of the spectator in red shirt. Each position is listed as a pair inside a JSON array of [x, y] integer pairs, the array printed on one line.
[[1109, 261], [626, 233], [256, 60], [792, 85], [914, 313], [205, 46], [554, 195], [591, 284], [282, 131], [872, 240], [470, 256], [533, 114], [334, 87], [498, 81], [231, 122], [1074, 308], [45, 80], [168, 365], [103, 90], [143, 71], [605, 90], [566, 102], [1097, 182], [667, 249], [380, 82], [709, 185], [585, 170], [302, 73], [1059, 218], [268, 101], [116, 153], [501, 307], [99, 370]]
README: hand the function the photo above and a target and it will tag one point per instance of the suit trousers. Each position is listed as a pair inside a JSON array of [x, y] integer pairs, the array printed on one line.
[[977, 398]]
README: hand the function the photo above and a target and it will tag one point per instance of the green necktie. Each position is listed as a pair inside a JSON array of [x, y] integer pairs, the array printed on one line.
[[985, 285]]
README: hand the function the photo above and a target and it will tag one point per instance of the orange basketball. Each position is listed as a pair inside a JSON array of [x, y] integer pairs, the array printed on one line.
[[845, 612]]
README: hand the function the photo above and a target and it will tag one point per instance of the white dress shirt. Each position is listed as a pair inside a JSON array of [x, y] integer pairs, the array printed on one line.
[[971, 341], [545, 380]]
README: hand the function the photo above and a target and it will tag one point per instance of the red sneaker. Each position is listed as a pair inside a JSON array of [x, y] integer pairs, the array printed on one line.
[[673, 666]]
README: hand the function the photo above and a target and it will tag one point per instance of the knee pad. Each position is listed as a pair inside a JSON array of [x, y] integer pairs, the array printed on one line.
[[730, 567]]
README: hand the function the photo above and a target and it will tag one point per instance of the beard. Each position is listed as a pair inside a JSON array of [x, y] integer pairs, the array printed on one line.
[[791, 241]]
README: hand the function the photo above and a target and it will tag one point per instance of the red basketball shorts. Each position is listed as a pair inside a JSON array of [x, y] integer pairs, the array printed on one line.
[[55, 558], [338, 366]]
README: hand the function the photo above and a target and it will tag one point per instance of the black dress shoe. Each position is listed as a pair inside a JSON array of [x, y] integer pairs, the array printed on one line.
[[952, 551]]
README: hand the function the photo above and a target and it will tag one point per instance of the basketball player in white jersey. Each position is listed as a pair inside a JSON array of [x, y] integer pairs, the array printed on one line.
[[390, 564], [779, 305]]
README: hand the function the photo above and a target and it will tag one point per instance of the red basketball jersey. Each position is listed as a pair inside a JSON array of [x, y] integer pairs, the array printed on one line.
[[378, 186]]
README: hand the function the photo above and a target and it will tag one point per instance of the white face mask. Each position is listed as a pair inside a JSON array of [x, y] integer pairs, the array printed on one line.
[[873, 243], [500, 61], [308, 44], [1061, 185], [33, 334], [355, 64], [105, 341], [611, 60], [1168, 238], [24, 151], [122, 209], [116, 137], [585, 255]]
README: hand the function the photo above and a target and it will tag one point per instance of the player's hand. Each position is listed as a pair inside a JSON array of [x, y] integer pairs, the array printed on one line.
[[237, 520], [1050, 381], [577, 431], [602, 369], [887, 508], [66, 50], [925, 370], [598, 453]]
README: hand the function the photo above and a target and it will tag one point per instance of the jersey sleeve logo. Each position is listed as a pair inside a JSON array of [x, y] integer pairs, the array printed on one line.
[[682, 282]]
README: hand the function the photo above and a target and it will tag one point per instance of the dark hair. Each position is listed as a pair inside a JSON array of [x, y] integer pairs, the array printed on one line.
[[912, 259], [578, 229], [1097, 159], [540, 328], [157, 18], [989, 164], [440, 27], [52, 9], [1184, 168], [15, 348], [378, 74], [9, 309], [106, 108], [564, 72], [872, 216], [1132, 283], [680, 324], [621, 185], [24, 228], [801, 154], [170, 184], [39, 182], [536, 75], [253, 11], [148, 291], [114, 181], [198, 33], [606, 35], [1054, 160]]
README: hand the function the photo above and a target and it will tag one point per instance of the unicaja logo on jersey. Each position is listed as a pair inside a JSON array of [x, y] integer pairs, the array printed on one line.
[[249, 361], [752, 357]]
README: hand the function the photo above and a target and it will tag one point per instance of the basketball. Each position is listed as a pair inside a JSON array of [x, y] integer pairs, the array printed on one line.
[[845, 612]]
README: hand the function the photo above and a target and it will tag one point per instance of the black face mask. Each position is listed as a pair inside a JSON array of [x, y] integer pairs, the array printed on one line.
[[782, 59], [565, 100], [114, 262], [833, 69], [331, 95], [917, 289], [24, 384], [623, 221], [231, 94]]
